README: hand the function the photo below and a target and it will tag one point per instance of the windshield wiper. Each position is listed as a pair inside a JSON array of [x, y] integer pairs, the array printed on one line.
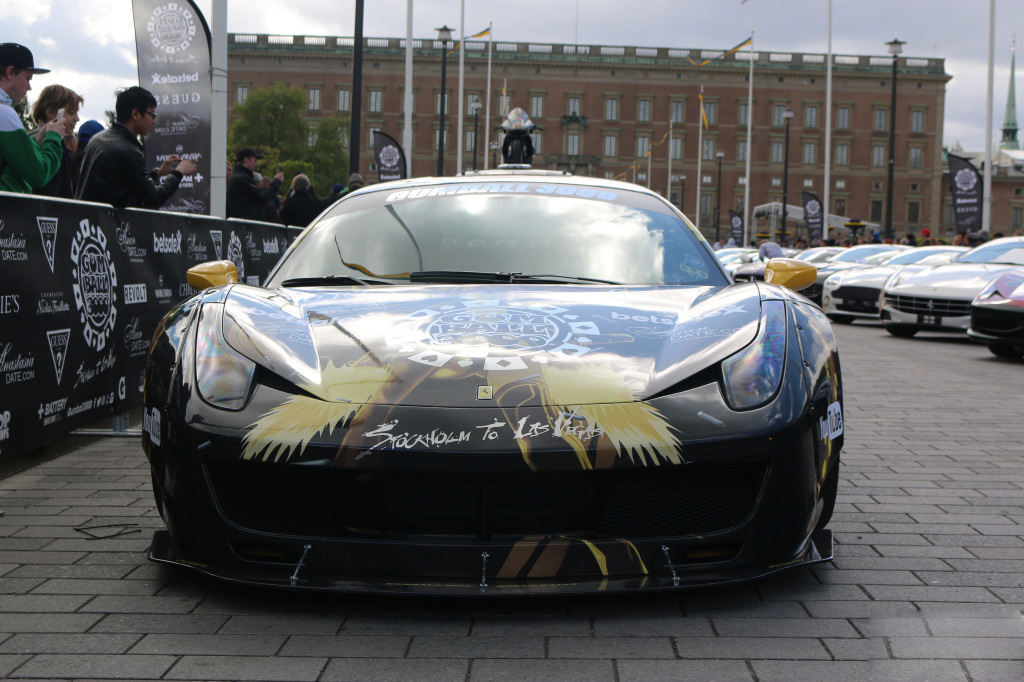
[[330, 280], [501, 277]]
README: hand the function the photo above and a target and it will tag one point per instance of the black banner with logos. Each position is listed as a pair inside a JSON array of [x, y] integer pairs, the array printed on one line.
[[814, 218], [390, 157], [736, 223], [82, 287], [965, 186], [172, 43]]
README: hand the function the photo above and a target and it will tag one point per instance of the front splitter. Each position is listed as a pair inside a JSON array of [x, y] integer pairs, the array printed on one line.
[[163, 550]]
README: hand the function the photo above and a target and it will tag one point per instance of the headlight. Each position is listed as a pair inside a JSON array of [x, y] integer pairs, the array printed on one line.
[[223, 376], [833, 281], [752, 376]]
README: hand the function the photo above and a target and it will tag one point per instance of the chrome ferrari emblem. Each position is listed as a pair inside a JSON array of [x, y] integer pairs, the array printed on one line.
[[484, 392]]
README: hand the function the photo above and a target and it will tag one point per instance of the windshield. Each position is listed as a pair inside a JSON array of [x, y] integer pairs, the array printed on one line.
[[817, 255], [1010, 251], [528, 228], [860, 254], [924, 257]]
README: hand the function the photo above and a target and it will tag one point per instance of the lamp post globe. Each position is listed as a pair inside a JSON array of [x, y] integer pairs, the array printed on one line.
[[895, 48], [444, 34]]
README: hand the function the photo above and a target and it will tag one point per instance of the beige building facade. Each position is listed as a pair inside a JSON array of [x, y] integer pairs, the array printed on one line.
[[602, 108]]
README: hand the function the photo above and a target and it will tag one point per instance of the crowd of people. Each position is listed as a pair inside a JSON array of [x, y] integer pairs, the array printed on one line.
[[108, 164], [768, 248]]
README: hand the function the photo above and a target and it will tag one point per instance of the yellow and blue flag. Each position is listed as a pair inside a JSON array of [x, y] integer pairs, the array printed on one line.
[[746, 42]]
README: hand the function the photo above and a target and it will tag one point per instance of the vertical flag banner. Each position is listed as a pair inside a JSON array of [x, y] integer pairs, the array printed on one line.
[[813, 216], [390, 157], [172, 43], [736, 222], [965, 187]]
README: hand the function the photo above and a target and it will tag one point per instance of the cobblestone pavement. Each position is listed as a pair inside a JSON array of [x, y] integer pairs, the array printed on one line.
[[926, 585]]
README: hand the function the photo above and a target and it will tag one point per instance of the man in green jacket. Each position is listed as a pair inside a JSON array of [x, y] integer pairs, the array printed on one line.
[[24, 164]]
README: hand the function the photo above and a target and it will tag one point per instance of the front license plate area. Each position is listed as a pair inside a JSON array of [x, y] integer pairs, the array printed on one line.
[[930, 320]]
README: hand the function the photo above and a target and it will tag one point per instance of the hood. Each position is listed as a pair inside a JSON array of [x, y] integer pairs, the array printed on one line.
[[954, 280], [452, 346]]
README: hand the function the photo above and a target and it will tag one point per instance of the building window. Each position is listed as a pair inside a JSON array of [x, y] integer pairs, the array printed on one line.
[[878, 155], [741, 180], [840, 206], [641, 177], [572, 144], [1016, 217], [811, 117], [778, 151], [611, 145], [842, 155], [914, 187], [741, 150], [876, 210], [574, 105], [778, 120], [677, 148], [808, 182], [437, 140], [776, 182], [810, 152], [643, 111], [643, 145], [916, 155], [376, 97], [503, 104], [611, 109], [437, 104], [537, 106], [913, 212], [311, 138], [314, 99], [371, 136], [708, 153], [241, 93], [706, 179], [538, 142], [744, 113], [881, 119], [949, 218], [917, 121], [843, 118], [840, 184], [705, 208], [711, 111], [677, 112], [470, 137], [344, 100]]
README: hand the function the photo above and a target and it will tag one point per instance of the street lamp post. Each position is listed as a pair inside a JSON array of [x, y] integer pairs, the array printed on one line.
[[788, 115], [475, 106], [682, 190], [718, 196], [444, 34], [895, 48]]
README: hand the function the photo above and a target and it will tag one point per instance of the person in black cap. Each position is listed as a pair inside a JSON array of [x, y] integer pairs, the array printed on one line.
[[24, 164], [245, 200], [114, 166]]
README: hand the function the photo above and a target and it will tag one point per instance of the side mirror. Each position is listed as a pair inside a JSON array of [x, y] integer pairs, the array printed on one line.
[[212, 273], [791, 273]]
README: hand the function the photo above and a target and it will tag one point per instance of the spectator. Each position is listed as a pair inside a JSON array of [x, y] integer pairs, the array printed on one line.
[[355, 181], [272, 209], [246, 200], [926, 237], [336, 191], [85, 133], [769, 249], [302, 205], [114, 166], [52, 99], [24, 164], [719, 243]]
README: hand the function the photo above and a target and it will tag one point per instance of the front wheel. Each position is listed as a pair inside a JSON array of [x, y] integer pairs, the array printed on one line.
[[841, 319], [829, 492], [900, 330], [1012, 352]]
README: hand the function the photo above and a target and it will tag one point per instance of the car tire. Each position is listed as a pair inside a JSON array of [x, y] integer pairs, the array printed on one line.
[[1005, 351], [900, 330], [829, 492]]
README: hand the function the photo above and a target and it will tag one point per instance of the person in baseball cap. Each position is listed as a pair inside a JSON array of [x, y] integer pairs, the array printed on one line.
[[247, 153], [24, 165]]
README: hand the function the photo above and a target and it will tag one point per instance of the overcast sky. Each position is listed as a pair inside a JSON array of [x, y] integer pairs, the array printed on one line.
[[90, 45]]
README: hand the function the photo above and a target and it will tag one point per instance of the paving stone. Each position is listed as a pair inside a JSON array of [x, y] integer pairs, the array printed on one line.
[[432, 646], [995, 671], [783, 627], [871, 648], [542, 627], [268, 668], [750, 648], [421, 670], [651, 627], [80, 666], [159, 623], [68, 644], [671, 671], [343, 646], [1007, 648], [284, 625], [52, 622], [221, 645], [978, 627], [853, 671], [414, 625]]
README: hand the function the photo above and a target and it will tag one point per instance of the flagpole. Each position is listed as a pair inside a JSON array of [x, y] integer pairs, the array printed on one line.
[[828, 126], [219, 119], [487, 111], [668, 182], [700, 153], [407, 131], [986, 204], [462, 86], [750, 135]]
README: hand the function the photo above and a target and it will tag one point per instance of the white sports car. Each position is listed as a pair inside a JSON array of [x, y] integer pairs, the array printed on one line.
[[939, 298], [853, 294]]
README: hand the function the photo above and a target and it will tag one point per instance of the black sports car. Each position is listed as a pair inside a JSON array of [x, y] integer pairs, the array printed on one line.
[[501, 384]]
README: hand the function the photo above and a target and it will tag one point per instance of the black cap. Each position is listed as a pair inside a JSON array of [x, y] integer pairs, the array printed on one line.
[[245, 152], [18, 56]]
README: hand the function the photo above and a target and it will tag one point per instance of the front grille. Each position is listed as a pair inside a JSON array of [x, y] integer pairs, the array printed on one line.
[[813, 292], [998, 323], [341, 503], [850, 293], [922, 305]]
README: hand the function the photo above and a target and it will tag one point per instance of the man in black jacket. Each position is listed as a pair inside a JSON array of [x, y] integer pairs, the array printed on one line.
[[114, 166], [246, 200]]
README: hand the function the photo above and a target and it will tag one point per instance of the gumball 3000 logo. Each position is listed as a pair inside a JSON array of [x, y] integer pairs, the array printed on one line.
[[95, 284], [236, 256], [171, 27]]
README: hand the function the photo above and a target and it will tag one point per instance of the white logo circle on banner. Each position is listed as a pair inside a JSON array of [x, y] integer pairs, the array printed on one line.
[[171, 28]]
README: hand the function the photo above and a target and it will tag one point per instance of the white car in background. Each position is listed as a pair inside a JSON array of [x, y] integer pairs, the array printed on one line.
[[939, 298], [860, 256], [853, 294]]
